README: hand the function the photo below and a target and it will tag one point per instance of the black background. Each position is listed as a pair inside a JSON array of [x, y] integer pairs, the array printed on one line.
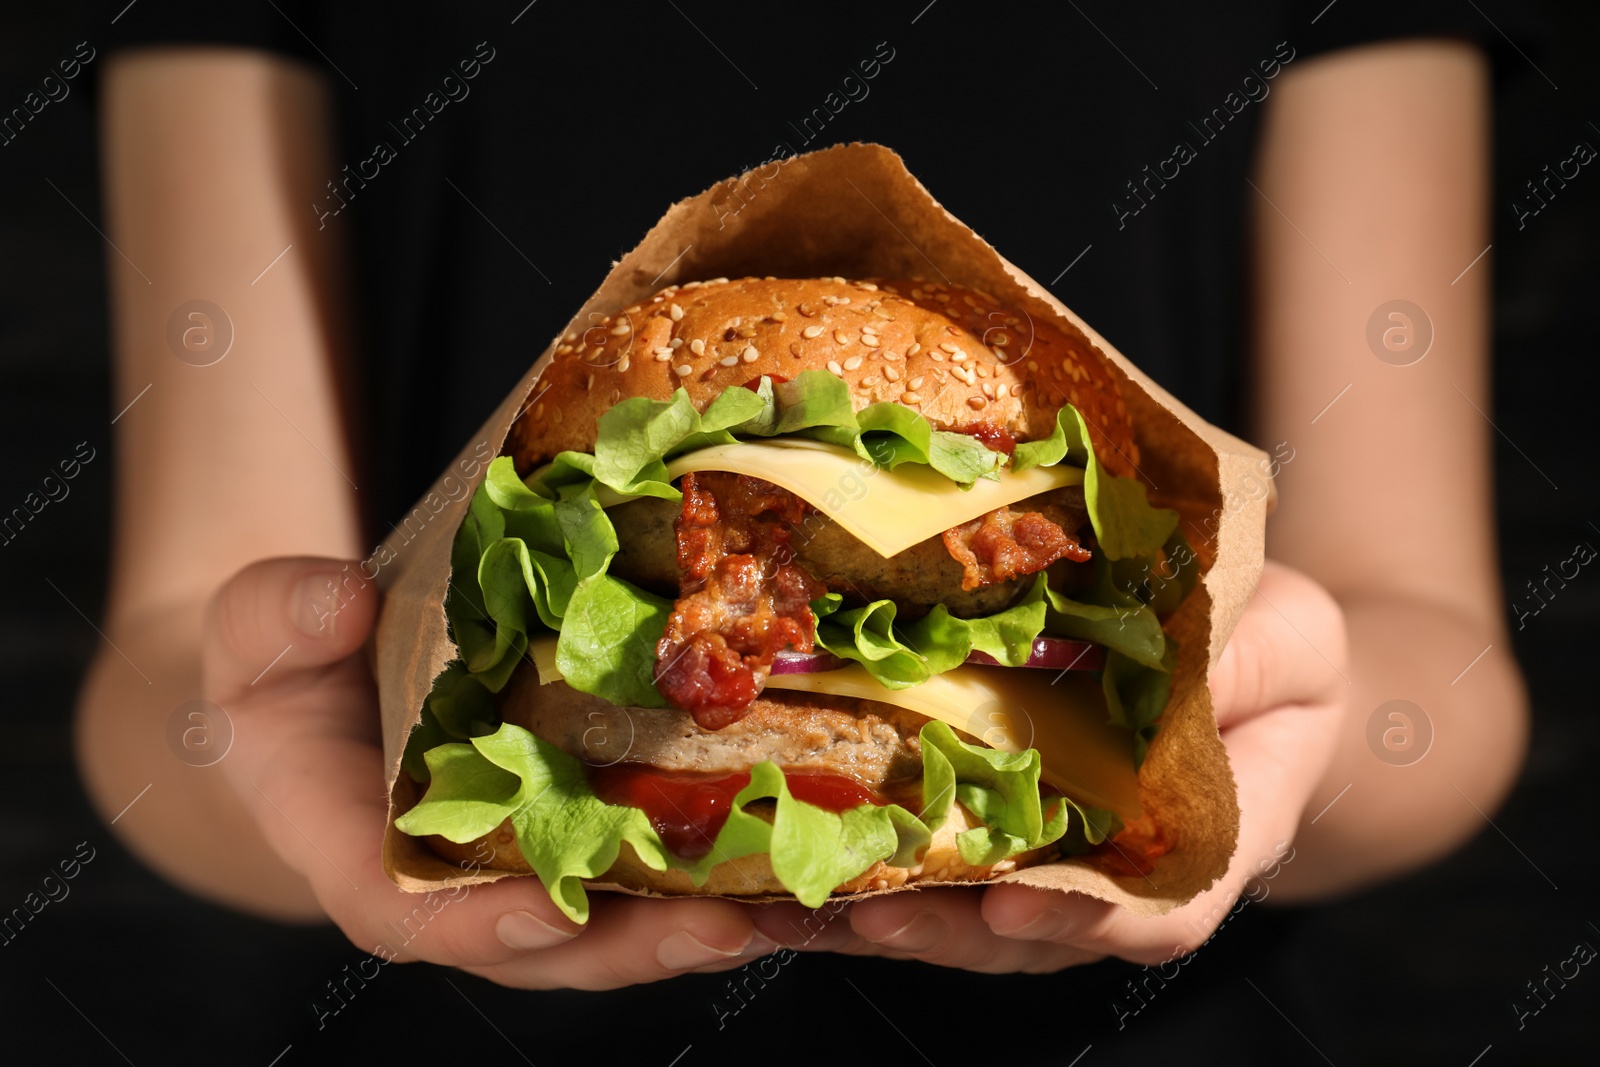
[[1423, 970]]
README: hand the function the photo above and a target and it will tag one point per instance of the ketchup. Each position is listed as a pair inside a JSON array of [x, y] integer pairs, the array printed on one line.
[[1134, 851], [688, 809], [995, 438]]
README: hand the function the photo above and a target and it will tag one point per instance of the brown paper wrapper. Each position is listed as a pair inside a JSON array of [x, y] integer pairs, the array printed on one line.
[[854, 210]]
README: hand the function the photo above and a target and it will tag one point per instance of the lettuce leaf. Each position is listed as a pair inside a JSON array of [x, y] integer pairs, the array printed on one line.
[[1002, 790], [568, 834]]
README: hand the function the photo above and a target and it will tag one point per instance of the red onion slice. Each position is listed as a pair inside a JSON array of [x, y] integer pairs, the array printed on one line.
[[1056, 654], [791, 662]]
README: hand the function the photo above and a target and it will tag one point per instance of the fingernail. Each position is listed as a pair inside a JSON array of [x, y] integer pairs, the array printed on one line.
[[1049, 923], [682, 951], [525, 930], [919, 935], [315, 604]]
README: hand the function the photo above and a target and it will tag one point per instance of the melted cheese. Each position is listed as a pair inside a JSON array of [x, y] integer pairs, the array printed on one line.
[[1007, 708], [889, 511]]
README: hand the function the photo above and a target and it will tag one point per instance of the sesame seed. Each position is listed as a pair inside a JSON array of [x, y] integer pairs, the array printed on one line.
[[728, 361], [663, 354], [616, 395], [956, 355], [634, 310], [807, 310], [676, 312], [1000, 354], [891, 374], [596, 353], [750, 354], [971, 303], [1122, 407], [1033, 364], [949, 347], [914, 349], [943, 298], [893, 357], [910, 398], [538, 409], [779, 316], [1000, 390], [718, 281], [833, 365], [562, 350], [852, 363], [915, 383], [882, 314], [1059, 372], [988, 390], [870, 287], [691, 285], [937, 357], [746, 332], [621, 328], [811, 331], [842, 337], [869, 329], [588, 381], [683, 370], [869, 381], [624, 363], [697, 346], [836, 280], [570, 338], [870, 340], [983, 370], [976, 403], [677, 342], [1002, 339]]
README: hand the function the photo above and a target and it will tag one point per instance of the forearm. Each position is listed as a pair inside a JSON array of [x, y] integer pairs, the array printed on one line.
[[1402, 810], [222, 458]]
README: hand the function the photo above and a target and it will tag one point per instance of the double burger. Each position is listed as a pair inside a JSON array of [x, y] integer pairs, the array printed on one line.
[[787, 588]]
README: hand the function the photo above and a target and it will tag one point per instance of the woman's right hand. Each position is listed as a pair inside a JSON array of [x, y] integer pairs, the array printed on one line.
[[285, 657]]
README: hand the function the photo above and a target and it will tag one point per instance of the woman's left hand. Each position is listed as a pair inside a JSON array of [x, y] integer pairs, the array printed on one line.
[[1279, 692]]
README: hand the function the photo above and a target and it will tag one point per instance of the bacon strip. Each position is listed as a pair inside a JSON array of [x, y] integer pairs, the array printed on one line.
[[741, 597], [1003, 545]]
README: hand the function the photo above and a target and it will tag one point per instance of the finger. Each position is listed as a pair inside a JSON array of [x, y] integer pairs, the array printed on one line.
[[946, 927], [1023, 913], [278, 619], [792, 925], [1289, 648], [630, 941]]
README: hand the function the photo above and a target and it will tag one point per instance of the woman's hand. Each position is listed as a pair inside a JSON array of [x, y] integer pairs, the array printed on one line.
[[285, 657], [1278, 692]]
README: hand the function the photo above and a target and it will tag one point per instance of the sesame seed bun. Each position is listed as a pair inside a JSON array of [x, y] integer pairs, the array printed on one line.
[[956, 355]]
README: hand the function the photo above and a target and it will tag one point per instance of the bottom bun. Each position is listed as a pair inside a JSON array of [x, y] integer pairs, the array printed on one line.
[[752, 876]]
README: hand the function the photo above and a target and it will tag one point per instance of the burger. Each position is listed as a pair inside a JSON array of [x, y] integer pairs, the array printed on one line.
[[795, 587]]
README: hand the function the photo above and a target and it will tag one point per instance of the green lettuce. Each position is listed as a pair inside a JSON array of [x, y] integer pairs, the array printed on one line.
[[568, 834]]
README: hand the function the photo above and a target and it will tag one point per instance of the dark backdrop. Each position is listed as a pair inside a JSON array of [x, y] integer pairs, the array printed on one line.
[[1422, 970]]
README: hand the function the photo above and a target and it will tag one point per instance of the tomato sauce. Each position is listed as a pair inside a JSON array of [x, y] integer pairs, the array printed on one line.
[[995, 438], [689, 809], [1134, 851]]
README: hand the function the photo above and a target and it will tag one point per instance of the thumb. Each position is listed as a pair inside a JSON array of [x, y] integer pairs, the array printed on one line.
[[279, 618]]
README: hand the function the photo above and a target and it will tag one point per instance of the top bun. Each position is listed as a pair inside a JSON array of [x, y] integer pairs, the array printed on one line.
[[956, 355]]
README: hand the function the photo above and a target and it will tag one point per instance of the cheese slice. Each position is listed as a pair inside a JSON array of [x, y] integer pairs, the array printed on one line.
[[888, 511], [1062, 714]]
